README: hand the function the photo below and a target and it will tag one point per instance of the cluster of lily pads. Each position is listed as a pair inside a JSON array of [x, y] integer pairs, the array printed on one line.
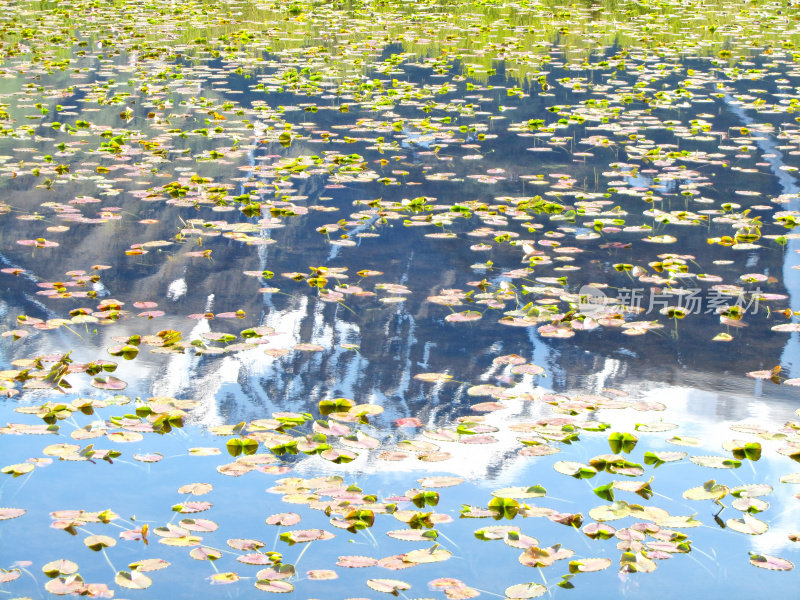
[[343, 429], [544, 151]]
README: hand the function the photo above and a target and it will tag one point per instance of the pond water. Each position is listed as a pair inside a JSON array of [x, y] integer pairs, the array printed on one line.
[[433, 299]]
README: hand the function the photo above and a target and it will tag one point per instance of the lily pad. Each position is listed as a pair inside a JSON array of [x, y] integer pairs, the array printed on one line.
[[771, 563], [748, 524], [521, 591], [716, 462], [133, 580], [389, 586]]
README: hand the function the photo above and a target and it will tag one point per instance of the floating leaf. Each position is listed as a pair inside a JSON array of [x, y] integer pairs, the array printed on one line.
[[606, 492], [109, 383], [748, 524], [408, 422], [543, 557], [327, 407], [504, 507], [710, 490], [204, 451], [389, 586], [589, 565], [205, 553], [63, 586], [636, 562], [356, 562], [321, 575], [6, 576], [149, 564], [133, 580], [277, 572], [463, 317], [413, 535], [223, 578], [196, 489], [540, 450], [521, 591], [202, 525], [684, 440], [753, 490], [575, 469], [60, 567], [640, 488], [299, 536], [772, 563], [521, 492], [152, 457], [429, 555], [192, 507], [716, 462], [743, 450], [750, 505], [677, 521], [612, 512], [527, 369], [255, 558], [496, 532], [284, 519], [433, 377], [655, 427], [659, 458], [571, 519], [11, 513], [599, 530], [18, 469], [124, 437], [440, 481], [276, 587], [622, 442], [237, 446], [98, 542]]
